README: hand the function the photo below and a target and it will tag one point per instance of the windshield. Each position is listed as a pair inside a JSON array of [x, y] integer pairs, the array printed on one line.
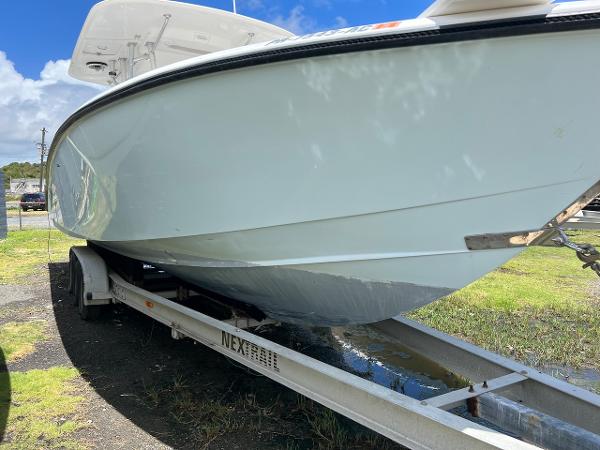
[[33, 197]]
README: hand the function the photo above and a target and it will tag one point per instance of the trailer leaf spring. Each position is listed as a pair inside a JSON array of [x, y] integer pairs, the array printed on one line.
[[586, 253]]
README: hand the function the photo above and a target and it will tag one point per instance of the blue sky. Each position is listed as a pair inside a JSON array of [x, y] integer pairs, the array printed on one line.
[[37, 38]]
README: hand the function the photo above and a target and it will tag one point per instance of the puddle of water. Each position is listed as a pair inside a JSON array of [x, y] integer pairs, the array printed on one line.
[[369, 354], [391, 364], [366, 352]]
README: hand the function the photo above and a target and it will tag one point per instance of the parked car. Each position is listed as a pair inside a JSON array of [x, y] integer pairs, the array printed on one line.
[[594, 205], [35, 201]]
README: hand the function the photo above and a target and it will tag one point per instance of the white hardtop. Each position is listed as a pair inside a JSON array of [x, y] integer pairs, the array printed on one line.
[[124, 38], [450, 7]]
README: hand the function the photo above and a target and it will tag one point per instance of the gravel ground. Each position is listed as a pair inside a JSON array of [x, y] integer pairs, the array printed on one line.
[[29, 221]]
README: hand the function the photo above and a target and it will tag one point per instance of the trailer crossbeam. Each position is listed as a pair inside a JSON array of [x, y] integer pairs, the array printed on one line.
[[458, 397]]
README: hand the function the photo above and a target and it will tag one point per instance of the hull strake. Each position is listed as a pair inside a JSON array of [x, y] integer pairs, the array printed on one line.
[[369, 166]]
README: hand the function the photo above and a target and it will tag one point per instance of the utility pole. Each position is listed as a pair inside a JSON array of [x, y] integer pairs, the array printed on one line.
[[42, 148], [234, 7]]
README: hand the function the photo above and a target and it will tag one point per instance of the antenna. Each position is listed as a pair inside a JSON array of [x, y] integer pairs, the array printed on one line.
[[234, 7]]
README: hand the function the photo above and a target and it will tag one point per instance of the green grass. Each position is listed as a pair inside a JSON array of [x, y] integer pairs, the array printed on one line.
[[25, 253], [18, 339], [12, 197], [332, 431], [43, 409], [541, 307], [208, 414]]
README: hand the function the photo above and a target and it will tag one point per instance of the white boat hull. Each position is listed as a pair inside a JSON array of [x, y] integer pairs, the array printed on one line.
[[339, 188]]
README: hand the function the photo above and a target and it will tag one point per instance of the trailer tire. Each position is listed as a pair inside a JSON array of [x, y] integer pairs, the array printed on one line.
[[86, 312]]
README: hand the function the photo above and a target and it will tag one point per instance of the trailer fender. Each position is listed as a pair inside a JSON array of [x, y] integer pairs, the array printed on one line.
[[96, 288]]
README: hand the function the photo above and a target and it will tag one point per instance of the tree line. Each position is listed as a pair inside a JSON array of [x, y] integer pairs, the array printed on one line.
[[20, 170]]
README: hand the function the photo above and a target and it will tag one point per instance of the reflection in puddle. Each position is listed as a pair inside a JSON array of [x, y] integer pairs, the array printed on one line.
[[370, 354], [367, 353], [389, 364]]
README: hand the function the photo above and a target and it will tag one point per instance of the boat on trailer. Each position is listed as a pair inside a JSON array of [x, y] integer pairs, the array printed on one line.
[[344, 176]]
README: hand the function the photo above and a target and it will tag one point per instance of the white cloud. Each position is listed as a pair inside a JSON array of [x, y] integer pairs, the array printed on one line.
[[252, 5], [58, 72], [323, 4], [341, 22], [296, 21], [27, 105]]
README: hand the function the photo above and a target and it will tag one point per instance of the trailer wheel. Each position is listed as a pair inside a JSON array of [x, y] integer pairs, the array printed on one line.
[[86, 312]]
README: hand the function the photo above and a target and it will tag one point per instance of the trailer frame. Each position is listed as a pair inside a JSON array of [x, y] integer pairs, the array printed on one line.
[[558, 415]]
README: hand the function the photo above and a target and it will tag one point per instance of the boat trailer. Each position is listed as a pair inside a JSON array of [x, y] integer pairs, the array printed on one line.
[[542, 411]]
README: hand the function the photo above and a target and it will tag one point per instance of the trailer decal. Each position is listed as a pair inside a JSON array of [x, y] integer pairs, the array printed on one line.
[[250, 351]]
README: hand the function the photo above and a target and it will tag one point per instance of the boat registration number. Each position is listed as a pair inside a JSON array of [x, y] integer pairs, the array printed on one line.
[[341, 31]]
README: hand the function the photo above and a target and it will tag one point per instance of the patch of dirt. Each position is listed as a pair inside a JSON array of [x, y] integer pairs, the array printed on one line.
[[595, 292], [511, 271], [15, 293]]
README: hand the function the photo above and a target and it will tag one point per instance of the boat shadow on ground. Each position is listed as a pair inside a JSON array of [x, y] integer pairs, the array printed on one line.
[[187, 395]]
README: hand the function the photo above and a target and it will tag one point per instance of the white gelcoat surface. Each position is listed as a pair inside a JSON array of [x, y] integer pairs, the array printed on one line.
[[368, 166]]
